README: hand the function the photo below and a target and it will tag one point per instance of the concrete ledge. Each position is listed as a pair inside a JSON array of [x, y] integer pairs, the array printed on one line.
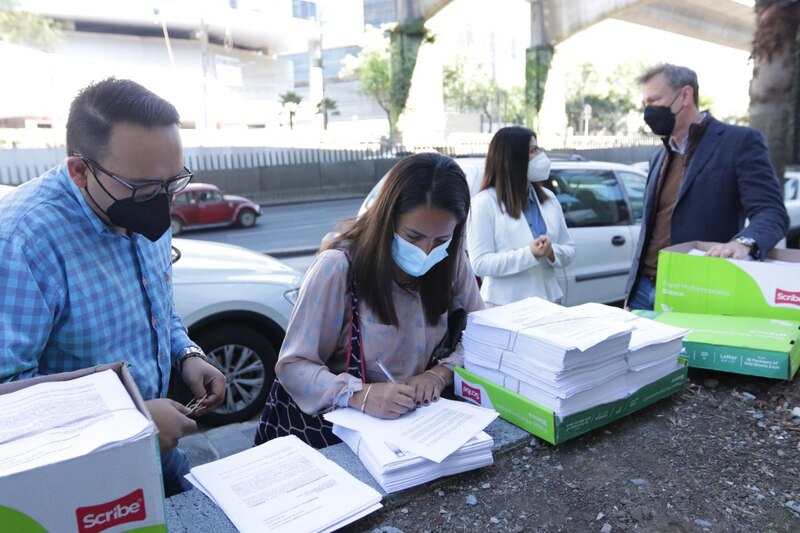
[[193, 511]]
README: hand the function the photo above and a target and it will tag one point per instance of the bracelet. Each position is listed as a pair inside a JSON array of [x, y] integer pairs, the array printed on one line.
[[438, 376], [364, 402]]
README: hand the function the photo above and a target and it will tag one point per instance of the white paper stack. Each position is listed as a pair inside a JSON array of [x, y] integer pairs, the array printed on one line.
[[284, 485], [654, 347], [566, 361], [396, 469], [443, 438]]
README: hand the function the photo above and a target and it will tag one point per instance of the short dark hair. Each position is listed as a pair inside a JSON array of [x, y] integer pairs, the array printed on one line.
[[101, 105], [427, 179], [507, 169], [676, 76]]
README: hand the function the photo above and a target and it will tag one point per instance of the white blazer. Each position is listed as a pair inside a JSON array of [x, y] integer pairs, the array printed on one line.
[[499, 249]]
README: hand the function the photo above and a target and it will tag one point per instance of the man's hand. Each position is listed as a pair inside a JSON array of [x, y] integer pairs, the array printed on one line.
[[171, 420], [203, 379], [732, 250]]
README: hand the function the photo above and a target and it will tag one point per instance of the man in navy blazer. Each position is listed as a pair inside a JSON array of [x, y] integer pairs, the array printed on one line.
[[702, 185]]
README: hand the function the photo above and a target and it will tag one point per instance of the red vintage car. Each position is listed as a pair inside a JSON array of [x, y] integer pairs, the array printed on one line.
[[202, 205]]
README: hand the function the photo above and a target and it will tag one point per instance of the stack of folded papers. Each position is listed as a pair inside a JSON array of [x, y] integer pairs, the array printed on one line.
[[438, 440], [568, 359]]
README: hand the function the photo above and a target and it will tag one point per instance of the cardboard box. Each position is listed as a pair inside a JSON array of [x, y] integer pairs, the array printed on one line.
[[713, 286], [767, 347], [117, 489], [543, 423]]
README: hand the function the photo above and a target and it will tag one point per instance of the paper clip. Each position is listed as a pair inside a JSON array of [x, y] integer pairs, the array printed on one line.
[[195, 404]]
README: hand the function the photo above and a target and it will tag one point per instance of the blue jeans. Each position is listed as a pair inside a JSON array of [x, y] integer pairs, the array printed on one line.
[[644, 294], [175, 465]]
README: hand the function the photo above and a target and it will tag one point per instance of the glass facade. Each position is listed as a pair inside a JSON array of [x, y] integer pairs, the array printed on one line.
[[377, 12]]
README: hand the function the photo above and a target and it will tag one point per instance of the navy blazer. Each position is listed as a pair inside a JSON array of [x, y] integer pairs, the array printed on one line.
[[729, 179]]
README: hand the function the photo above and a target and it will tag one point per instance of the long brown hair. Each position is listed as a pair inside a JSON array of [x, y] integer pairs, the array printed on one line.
[[418, 180], [507, 169]]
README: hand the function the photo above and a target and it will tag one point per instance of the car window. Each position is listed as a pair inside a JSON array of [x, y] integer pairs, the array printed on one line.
[[210, 196], [790, 188], [589, 197], [182, 199], [634, 185]]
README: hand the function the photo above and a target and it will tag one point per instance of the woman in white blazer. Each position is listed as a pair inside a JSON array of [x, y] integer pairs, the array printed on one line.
[[516, 233]]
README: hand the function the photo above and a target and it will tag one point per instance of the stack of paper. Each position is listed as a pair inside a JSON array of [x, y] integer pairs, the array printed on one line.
[[396, 469], [59, 420], [284, 485], [654, 347], [566, 361], [441, 439]]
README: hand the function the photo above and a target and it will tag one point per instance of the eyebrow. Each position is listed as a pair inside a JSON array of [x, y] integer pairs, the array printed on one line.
[[420, 234]]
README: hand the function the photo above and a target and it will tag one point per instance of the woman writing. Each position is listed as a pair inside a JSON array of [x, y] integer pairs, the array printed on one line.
[[375, 304], [516, 233]]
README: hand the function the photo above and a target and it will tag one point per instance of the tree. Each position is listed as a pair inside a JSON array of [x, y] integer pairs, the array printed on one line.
[[291, 100], [467, 86], [611, 96], [325, 107], [21, 27], [372, 68], [774, 81]]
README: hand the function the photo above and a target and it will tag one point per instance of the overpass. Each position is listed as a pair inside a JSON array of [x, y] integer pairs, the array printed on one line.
[[726, 22], [729, 23]]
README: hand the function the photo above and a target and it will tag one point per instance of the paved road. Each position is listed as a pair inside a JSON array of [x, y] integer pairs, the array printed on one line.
[[286, 227]]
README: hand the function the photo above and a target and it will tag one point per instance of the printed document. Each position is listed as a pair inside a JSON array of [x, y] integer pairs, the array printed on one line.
[[59, 420], [284, 485], [433, 432]]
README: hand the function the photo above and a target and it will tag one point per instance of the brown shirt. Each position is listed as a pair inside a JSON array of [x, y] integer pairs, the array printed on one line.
[[669, 184]]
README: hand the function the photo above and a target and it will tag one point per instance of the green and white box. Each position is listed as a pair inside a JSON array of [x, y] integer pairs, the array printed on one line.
[[112, 490], [545, 424], [767, 347], [693, 283]]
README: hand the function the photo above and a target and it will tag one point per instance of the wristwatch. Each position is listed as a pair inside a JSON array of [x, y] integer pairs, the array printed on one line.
[[749, 242], [190, 351]]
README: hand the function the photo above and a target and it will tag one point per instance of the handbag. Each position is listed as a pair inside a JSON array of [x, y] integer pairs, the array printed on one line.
[[282, 416]]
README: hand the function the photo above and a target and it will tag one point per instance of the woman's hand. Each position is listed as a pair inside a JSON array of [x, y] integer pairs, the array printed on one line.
[[541, 246], [384, 400], [429, 385]]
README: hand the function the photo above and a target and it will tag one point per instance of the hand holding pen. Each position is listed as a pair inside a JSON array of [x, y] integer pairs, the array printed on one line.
[[385, 400]]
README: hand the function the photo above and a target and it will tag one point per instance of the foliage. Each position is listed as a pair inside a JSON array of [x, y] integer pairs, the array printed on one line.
[[21, 27], [611, 96], [327, 107], [404, 42], [371, 67], [467, 86], [290, 100], [537, 65]]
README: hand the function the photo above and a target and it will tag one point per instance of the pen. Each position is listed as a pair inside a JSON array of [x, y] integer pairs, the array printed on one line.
[[385, 371]]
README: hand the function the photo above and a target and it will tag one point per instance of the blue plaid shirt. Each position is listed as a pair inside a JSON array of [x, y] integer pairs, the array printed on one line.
[[77, 294]]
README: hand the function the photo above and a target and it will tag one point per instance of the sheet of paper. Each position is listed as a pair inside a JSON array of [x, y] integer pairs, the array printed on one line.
[[284, 485], [56, 421], [434, 431]]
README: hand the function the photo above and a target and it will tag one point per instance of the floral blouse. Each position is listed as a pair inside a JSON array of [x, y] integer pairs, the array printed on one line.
[[311, 364]]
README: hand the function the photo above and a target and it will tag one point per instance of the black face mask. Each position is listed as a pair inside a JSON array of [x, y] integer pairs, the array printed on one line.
[[150, 218], [660, 118]]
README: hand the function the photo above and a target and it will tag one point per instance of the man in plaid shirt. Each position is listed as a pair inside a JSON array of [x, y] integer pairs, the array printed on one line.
[[86, 260]]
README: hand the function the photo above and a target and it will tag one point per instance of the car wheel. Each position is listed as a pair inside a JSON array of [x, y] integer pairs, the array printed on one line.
[[246, 219], [248, 361], [177, 225]]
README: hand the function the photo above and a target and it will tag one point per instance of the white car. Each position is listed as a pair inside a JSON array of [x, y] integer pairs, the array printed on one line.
[[236, 304], [603, 207]]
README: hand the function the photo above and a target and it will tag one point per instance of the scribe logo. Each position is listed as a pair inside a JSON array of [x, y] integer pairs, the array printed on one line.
[[129, 508], [787, 297], [471, 393]]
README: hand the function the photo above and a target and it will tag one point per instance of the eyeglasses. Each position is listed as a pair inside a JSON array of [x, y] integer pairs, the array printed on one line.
[[146, 190]]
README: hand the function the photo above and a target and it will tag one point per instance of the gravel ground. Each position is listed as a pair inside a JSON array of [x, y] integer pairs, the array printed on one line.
[[721, 455]]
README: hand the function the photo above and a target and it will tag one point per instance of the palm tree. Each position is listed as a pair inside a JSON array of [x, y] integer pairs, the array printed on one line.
[[290, 100], [774, 77], [325, 106]]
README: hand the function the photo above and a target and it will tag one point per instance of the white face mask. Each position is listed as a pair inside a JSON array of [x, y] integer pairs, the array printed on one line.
[[412, 259], [539, 168]]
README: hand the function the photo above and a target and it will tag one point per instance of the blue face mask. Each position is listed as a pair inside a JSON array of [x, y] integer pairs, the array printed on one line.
[[413, 260]]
